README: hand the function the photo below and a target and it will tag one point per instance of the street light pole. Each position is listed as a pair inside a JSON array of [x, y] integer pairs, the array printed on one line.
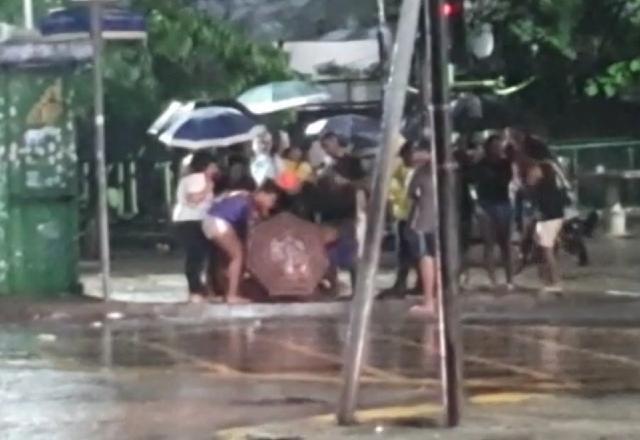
[[450, 337], [394, 101], [27, 10], [101, 168]]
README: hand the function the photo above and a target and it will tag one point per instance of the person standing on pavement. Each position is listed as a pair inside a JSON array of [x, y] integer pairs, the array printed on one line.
[[341, 195], [401, 206], [263, 165], [422, 228], [492, 178], [549, 201], [194, 196]]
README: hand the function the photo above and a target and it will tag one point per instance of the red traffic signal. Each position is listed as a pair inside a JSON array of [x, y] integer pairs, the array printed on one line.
[[452, 8]]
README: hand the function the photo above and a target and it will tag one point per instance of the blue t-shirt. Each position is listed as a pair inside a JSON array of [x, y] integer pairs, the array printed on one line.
[[234, 208]]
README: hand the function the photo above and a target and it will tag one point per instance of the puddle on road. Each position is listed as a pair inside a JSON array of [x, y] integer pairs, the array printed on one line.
[[232, 373]]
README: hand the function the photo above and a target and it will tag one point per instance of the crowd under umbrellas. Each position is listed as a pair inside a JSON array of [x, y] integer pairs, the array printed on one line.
[[267, 219], [225, 228]]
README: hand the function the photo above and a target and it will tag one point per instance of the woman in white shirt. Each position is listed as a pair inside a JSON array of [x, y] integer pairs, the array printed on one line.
[[194, 197]]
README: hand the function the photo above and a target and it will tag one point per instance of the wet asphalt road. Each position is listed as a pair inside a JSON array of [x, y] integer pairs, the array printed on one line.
[[80, 381]]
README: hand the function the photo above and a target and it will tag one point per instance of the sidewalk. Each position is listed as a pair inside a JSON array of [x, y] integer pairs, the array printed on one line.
[[492, 417], [151, 276], [148, 286]]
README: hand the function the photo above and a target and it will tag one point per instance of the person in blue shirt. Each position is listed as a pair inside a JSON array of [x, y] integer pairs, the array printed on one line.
[[227, 224]]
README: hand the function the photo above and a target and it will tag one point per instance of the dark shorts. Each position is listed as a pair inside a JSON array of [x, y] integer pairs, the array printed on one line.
[[344, 252], [421, 244], [499, 213]]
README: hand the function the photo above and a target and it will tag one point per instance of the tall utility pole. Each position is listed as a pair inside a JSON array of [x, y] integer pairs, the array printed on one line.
[[27, 12], [394, 101], [101, 167], [450, 336]]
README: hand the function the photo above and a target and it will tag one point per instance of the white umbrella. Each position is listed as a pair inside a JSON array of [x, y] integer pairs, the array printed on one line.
[[173, 111], [284, 95]]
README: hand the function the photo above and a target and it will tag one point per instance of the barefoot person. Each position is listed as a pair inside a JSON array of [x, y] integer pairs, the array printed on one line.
[[549, 202], [227, 223], [194, 196], [422, 228], [493, 176]]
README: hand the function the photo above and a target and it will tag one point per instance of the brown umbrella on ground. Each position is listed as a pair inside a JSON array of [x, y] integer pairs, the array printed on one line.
[[287, 255]]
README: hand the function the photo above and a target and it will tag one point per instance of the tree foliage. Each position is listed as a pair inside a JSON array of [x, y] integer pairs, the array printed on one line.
[[572, 46], [195, 55], [187, 55]]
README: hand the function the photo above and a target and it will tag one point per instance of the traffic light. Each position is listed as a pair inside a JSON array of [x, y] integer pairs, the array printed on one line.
[[453, 11]]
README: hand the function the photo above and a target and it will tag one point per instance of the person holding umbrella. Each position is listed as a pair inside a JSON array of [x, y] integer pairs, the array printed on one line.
[[226, 225], [194, 196]]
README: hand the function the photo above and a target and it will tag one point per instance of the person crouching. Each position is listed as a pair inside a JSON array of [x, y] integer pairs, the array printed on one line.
[[227, 223]]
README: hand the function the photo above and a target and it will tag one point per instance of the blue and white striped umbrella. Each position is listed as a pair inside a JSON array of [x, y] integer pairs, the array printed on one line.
[[173, 111], [210, 127], [75, 22]]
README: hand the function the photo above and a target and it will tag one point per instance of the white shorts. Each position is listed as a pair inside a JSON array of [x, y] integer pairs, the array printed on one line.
[[547, 232], [214, 227]]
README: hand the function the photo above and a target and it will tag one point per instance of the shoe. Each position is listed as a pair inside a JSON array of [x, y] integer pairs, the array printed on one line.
[[552, 289]]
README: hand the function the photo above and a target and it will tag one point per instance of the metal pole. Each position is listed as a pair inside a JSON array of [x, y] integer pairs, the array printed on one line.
[[382, 21], [27, 10], [450, 336], [101, 169], [364, 292], [427, 63]]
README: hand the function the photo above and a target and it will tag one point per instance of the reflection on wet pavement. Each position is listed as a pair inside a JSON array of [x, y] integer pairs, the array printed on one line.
[[186, 382]]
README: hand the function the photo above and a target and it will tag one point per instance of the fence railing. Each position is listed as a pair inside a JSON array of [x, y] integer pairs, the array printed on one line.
[[585, 160], [581, 159]]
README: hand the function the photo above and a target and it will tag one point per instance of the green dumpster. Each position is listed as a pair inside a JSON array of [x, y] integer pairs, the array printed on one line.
[[38, 167]]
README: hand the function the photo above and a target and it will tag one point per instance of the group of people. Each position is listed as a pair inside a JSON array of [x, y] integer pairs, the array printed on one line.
[[511, 181], [216, 206]]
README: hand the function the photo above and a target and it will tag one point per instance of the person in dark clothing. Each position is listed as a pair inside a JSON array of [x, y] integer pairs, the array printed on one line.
[[340, 185], [466, 204], [549, 201], [492, 178], [237, 178]]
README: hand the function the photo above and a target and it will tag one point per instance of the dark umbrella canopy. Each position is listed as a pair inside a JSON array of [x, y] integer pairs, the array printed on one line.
[[117, 23], [287, 255], [361, 131], [210, 127]]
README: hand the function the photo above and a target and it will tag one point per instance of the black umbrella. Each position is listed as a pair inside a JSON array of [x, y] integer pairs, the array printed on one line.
[[360, 131]]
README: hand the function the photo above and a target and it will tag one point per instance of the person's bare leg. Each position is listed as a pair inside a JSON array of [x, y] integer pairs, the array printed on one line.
[[488, 237], [551, 268], [427, 269], [504, 242], [231, 244]]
